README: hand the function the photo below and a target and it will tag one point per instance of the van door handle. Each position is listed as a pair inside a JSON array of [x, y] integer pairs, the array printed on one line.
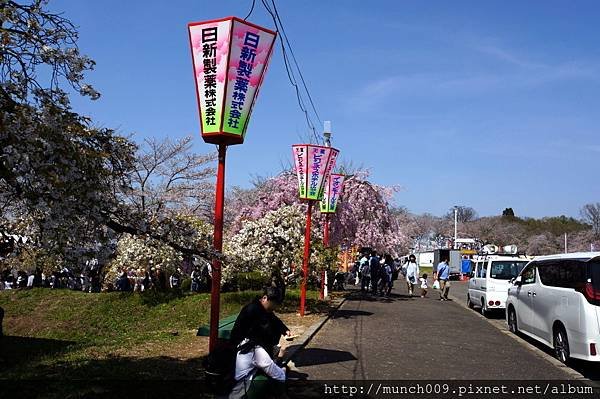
[[534, 294], [528, 293]]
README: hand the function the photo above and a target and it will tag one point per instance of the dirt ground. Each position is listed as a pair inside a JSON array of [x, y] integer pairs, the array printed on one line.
[[186, 345]]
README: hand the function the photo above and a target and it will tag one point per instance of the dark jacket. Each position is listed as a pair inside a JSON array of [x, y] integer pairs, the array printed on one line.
[[375, 267], [254, 314]]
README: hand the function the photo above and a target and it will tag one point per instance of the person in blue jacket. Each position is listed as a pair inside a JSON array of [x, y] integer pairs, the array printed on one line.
[[443, 271]]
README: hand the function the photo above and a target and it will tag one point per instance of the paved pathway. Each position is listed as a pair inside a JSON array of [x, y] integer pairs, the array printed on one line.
[[416, 338], [577, 368]]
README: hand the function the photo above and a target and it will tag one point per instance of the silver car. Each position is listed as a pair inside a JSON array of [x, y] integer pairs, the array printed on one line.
[[556, 300]]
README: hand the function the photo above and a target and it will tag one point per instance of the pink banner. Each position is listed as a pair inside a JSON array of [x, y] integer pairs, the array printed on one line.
[[333, 191], [313, 162]]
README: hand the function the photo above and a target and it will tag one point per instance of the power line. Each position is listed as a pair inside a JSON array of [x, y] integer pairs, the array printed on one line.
[[296, 62], [290, 72], [251, 9]]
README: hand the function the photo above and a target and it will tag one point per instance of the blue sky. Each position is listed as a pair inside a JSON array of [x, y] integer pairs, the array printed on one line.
[[485, 104]]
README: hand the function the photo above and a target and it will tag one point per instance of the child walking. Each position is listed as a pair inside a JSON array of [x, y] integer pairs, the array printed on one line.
[[424, 285]]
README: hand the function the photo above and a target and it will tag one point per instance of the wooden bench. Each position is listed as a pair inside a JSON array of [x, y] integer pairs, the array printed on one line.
[[225, 327]]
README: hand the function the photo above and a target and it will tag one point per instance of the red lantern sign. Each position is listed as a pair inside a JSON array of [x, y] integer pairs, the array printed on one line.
[[230, 58]]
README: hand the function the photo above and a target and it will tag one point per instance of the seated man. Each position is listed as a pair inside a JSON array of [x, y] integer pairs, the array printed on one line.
[[260, 311], [256, 373], [255, 334]]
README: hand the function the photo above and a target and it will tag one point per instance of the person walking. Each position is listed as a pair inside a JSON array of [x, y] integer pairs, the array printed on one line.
[[195, 279], [175, 279], [424, 285], [386, 285], [356, 270], [443, 274], [365, 273], [412, 273], [375, 266]]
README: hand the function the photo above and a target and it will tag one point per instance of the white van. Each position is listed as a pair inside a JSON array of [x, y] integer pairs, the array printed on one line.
[[490, 280], [556, 300]]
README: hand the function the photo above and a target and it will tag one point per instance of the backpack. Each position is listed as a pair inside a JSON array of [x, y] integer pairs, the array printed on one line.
[[219, 368]]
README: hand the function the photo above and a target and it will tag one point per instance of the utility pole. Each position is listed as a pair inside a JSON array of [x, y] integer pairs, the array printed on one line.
[[324, 282], [455, 226]]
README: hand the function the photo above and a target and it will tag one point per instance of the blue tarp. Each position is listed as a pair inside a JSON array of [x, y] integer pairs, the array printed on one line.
[[466, 266]]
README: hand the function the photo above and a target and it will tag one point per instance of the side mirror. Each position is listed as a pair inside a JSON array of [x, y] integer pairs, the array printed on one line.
[[518, 281]]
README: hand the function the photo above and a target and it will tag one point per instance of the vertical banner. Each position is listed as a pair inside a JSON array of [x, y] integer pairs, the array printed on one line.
[[330, 167], [333, 191], [230, 57], [301, 162], [312, 163]]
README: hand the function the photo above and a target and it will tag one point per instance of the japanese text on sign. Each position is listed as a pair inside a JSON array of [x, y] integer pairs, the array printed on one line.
[[315, 173], [244, 72], [209, 55]]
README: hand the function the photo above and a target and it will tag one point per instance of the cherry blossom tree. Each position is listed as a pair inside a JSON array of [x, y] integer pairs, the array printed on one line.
[[591, 214], [271, 244], [73, 189], [363, 218], [58, 175], [169, 177]]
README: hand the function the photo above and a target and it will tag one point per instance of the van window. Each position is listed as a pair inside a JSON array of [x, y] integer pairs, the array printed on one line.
[[568, 273], [505, 270], [528, 275], [483, 269], [594, 268]]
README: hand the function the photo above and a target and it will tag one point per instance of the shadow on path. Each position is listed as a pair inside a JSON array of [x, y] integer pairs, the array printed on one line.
[[368, 297], [314, 356], [348, 313]]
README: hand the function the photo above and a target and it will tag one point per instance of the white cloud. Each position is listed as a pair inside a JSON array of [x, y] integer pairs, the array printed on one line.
[[524, 74]]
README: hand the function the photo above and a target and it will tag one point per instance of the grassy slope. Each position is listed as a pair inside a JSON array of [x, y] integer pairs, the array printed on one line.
[[51, 333]]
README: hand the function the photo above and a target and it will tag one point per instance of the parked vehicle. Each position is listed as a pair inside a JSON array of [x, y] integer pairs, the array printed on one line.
[[556, 300], [453, 256], [490, 280]]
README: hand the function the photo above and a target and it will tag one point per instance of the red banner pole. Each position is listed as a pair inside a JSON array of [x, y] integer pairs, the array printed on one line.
[[326, 245], [326, 231], [218, 246], [306, 257]]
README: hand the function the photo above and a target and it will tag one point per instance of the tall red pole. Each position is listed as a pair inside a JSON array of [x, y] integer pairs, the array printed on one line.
[[215, 293], [306, 258], [326, 244], [326, 231]]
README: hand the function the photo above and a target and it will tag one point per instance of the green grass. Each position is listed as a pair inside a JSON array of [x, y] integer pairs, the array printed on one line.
[[70, 334]]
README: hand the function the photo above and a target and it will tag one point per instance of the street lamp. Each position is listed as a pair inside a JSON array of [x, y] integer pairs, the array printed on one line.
[[230, 57], [313, 163]]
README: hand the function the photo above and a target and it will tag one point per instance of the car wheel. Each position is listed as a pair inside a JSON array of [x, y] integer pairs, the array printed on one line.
[[469, 303], [512, 321], [561, 345], [484, 310]]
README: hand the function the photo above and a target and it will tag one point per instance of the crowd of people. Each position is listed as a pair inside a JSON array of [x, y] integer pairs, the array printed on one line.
[[88, 281], [376, 275], [91, 280], [155, 278]]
